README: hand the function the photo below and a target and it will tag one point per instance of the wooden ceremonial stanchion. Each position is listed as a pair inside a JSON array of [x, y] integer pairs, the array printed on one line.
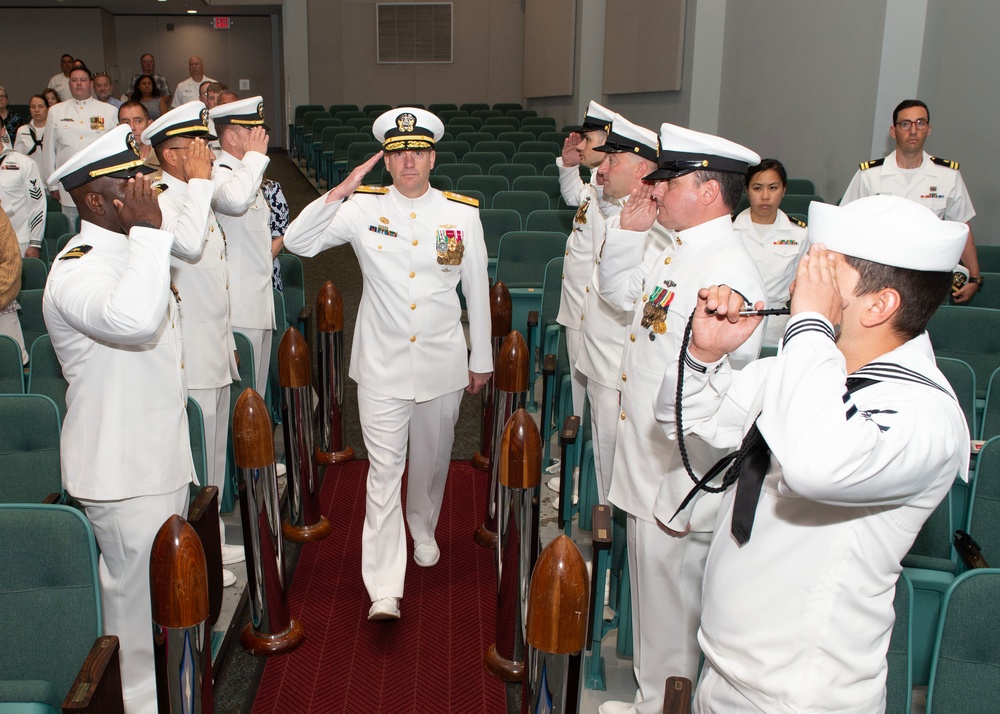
[[305, 523], [510, 384], [178, 588], [520, 471], [271, 629], [332, 447], [556, 628], [501, 313]]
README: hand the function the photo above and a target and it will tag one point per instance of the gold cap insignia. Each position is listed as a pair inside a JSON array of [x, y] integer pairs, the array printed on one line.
[[130, 140], [406, 122], [260, 109], [204, 117]]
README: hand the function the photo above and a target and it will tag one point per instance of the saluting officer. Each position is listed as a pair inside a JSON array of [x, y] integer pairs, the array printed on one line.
[[200, 272], [409, 356], [245, 216], [125, 453]]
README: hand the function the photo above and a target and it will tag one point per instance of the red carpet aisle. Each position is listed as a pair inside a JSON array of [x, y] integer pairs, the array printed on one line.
[[428, 661]]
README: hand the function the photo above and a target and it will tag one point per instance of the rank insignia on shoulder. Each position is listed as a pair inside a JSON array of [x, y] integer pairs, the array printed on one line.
[[77, 252], [468, 201], [797, 221], [865, 165], [378, 190], [160, 188], [945, 162]]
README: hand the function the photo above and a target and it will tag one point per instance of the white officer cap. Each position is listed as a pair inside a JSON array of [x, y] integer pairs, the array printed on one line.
[[628, 138], [597, 118], [407, 129], [244, 112], [683, 151], [890, 230], [189, 119], [114, 154]]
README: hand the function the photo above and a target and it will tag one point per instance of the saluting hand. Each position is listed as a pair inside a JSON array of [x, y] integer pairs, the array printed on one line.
[[639, 213], [140, 204], [350, 184], [196, 161], [815, 288], [718, 328], [571, 149], [257, 141]]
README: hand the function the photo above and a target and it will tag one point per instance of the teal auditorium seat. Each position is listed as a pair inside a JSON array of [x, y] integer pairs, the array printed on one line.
[[294, 284], [512, 171], [524, 202], [989, 422], [456, 171], [899, 682], [516, 137], [506, 148], [963, 381], [484, 159], [50, 605], [489, 186], [538, 159], [56, 224], [442, 106], [496, 223], [458, 125], [971, 334], [30, 316], [983, 520], [989, 258], [796, 203], [545, 147], [308, 119], [988, 295], [196, 434], [33, 274], [11, 368], [458, 148], [441, 182], [229, 496], [802, 187], [312, 142], [966, 667], [46, 376], [549, 220], [521, 263], [29, 450], [549, 185], [473, 137]]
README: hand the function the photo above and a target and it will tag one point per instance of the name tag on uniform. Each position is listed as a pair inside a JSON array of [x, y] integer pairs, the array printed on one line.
[[10, 167]]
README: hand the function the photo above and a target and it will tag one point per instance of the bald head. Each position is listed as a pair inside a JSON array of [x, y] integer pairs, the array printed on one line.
[[196, 67]]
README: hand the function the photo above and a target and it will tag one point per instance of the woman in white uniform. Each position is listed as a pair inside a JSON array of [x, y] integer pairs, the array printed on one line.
[[774, 240]]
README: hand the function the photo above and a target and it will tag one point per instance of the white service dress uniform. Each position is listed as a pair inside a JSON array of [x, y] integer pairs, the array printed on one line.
[[72, 125], [776, 249], [60, 83], [799, 618], [187, 90], [937, 185], [200, 272], [23, 198], [124, 450], [409, 353], [243, 213], [665, 571], [578, 264]]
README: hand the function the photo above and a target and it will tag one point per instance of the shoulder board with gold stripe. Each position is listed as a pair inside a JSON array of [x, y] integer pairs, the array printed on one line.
[[467, 200], [865, 165], [797, 221], [160, 187], [380, 190], [945, 162], [77, 252]]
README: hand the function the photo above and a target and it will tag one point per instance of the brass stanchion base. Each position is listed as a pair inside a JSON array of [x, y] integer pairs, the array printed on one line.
[[502, 668], [265, 645], [485, 537], [334, 457], [480, 462], [307, 534]]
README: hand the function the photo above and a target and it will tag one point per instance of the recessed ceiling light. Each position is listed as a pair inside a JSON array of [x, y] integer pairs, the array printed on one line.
[[192, 12]]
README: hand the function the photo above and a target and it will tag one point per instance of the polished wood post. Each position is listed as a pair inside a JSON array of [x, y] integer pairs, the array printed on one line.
[[271, 629], [556, 627], [677, 696], [501, 314], [203, 515], [178, 589], [520, 471], [510, 383], [305, 523], [97, 688], [332, 448]]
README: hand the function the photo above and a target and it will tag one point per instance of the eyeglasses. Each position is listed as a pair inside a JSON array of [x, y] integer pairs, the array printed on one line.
[[907, 124]]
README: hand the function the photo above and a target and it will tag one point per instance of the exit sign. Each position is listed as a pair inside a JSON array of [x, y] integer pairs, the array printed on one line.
[[222, 23]]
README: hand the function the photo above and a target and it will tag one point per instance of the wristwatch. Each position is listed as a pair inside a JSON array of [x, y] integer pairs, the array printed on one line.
[[978, 281]]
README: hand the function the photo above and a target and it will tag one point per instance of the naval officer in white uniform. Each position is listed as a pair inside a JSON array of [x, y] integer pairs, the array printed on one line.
[[409, 356], [200, 271], [860, 437], [113, 319], [697, 185]]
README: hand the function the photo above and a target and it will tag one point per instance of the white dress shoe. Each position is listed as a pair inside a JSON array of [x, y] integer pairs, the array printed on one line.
[[228, 578], [426, 554], [553, 484], [617, 708], [232, 554], [280, 469], [385, 608]]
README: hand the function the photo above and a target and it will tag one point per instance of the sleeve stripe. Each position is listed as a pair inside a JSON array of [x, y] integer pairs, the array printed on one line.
[[808, 325], [690, 363]]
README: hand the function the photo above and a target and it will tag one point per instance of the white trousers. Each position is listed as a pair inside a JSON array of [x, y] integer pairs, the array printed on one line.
[[715, 695], [605, 408], [10, 325], [125, 531], [666, 575], [260, 340], [573, 339], [214, 405], [387, 425]]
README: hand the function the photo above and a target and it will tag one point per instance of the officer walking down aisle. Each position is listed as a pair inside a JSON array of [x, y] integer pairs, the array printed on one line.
[[414, 244], [851, 437], [697, 185], [245, 216], [113, 319]]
